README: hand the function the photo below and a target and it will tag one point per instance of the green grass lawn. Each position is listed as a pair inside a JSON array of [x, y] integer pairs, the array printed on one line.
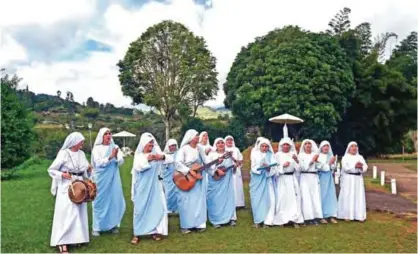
[[27, 210]]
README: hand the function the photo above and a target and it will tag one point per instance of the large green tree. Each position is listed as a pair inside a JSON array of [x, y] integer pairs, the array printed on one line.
[[384, 107], [166, 68], [291, 71], [16, 125]]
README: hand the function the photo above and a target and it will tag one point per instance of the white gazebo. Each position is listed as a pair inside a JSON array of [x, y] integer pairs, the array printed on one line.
[[124, 135], [286, 119]]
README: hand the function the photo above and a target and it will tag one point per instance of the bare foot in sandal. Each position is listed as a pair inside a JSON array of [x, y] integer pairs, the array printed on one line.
[[63, 249], [157, 237], [135, 240]]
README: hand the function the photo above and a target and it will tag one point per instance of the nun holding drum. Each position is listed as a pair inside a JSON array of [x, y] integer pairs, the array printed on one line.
[[70, 222]]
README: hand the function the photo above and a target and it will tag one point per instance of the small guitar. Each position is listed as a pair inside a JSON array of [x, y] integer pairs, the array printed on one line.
[[188, 181], [218, 177]]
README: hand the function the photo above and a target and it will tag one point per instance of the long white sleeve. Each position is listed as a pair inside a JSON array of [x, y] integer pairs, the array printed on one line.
[[281, 160], [348, 166], [54, 169], [256, 163], [141, 163], [212, 169], [180, 162], [99, 158], [168, 159], [305, 163], [363, 161], [119, 158]]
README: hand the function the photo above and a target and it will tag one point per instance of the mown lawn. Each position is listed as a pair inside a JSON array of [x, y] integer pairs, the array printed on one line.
[[27, 210]]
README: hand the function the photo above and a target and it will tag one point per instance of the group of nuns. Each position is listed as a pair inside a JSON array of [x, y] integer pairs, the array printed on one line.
[[153, 192], [298, 189], [285, 188]]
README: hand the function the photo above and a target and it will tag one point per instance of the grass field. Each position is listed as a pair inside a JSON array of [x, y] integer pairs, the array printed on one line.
[[27, 210]]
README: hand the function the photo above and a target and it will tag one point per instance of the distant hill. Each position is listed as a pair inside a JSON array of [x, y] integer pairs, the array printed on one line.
[[206, 113], [58, 104], [42, 103]]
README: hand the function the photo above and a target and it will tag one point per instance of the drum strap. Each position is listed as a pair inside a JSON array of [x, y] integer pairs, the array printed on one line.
[[72, 162]]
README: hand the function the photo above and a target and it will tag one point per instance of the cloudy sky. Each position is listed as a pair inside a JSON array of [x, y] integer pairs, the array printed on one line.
[[75, 44]]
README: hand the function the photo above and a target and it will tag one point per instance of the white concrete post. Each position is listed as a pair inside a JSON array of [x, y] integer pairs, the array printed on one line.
[[393, 186], [382, 178], [374, 172]]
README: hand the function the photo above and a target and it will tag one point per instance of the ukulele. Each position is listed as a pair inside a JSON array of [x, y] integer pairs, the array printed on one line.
[[188, 181], [218, 177]]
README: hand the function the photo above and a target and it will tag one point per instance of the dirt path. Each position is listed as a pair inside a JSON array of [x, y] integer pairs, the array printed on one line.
[[406, 180]]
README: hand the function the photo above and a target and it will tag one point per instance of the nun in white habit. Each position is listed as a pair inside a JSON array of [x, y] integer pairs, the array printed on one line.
[[254, 147], [150, 208], [352, 198], [205, 148], [170, 188], [288, 203], [309, 183], [237, 176], [191, 204], [204, 143], [70, 222], [263, 184], [109, 206]]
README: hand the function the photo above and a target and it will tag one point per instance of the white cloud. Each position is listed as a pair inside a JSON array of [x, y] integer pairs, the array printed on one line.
[[227, 26], [96, 77], [10, 50], [43, 12]]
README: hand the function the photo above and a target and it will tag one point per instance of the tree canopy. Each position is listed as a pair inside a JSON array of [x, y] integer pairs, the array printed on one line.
[[168, 67], [340, 82], [16, 125], [291, 71], [384, 106]]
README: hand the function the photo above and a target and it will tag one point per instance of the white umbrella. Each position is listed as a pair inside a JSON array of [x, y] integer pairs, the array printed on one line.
[[123, 134], [286, 119]]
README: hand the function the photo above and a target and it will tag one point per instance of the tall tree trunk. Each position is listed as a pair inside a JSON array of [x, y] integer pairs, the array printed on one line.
[[195, 110], [167, 123]]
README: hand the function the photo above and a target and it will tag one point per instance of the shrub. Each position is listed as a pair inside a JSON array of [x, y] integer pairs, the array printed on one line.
[[16, 126]]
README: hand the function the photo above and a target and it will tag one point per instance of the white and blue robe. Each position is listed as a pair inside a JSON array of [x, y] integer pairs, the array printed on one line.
[[170, 189], [220, 195], [326, 180], [150, 208], [352, 197], [109, 205], [288, 203], [202, 150], [191, 204], [262, 186]]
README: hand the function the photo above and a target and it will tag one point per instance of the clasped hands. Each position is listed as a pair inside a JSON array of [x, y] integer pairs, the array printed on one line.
[[156, 157]]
